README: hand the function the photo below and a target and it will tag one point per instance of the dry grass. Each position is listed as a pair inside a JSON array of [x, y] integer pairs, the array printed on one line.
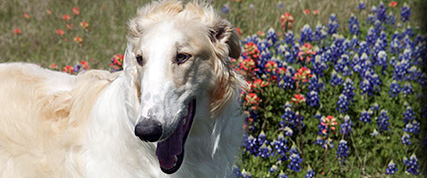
[[40, 44]]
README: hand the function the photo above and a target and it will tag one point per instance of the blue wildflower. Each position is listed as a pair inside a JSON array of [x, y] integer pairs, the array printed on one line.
[[343, 150], [405, 13], [412, 127], [280, 147], [246, 174], [346, 126], [391, 169], [361, 5], [407, 89], [394, 89], [408, 115], [310, 172], [412, 164], [296, 160], [225, 9], [264, 151], [391, 19], [306, 34], [365, 116], [313, 98], [365, 86], [273, 169], [405, 139], [381, 12], [332, 24], [282, 174], [353, 25], [342, 104], [383, 121], [319, 140], [336, 79]]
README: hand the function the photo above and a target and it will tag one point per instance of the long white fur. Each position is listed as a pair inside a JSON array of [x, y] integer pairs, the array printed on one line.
[[57, 125]]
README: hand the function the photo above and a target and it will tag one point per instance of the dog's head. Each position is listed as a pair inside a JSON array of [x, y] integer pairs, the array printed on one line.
[[178, 57]]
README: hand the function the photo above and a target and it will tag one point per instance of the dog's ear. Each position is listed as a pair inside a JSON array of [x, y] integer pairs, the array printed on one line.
[[224, 33], [129, 61]]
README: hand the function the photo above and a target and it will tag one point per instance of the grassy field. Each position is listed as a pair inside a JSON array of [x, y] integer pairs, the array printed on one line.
[[64, 33]]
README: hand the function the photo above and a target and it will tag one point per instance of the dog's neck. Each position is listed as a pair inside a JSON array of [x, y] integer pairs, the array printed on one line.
[[110, 143]]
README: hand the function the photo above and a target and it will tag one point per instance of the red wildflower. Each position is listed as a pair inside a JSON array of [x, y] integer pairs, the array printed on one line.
[[84, 25], [315, 12], [306, 12], [85, 65], [53, 66], [251, 50], [252, 100], [298, 98], [247, 64], [271, 66], [66, 17], [68, 69], [78, 39], [48, 12], [306, 51], [260, 33], [329, 121], [17, 31], [302, 74], [258, 84], [60, 32], [26, 16], [76, 11], [392, 4], [286, 20]]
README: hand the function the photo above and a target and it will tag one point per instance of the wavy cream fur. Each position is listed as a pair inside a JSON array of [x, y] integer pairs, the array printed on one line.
[[56, 125]]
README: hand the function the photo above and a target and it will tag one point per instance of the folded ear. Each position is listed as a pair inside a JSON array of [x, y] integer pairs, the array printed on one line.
[[129, 63], [223, 35]]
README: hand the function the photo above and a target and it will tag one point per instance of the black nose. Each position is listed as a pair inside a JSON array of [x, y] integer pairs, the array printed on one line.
[[148, 130]]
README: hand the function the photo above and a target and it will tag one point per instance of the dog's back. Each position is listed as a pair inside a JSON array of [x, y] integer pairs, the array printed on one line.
[[40, 124]]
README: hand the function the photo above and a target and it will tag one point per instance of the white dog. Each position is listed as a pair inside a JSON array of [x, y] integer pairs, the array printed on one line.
[[172, 112]]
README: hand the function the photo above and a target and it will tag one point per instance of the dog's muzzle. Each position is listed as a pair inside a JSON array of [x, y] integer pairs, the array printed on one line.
[[149, 130]]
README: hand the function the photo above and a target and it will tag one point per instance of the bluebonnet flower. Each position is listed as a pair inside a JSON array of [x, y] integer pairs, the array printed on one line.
[[288, 131], [371, 37], [381, 12], [282, 174], [332, 24], [296, 160], [236, 171], [313, 98], [407, 89], [391, 19], [374, 9], [280, 147], [361, 5], [318, 66], [405, 139], [246, 174], [346, 126], [313, 84], [288, 117], [338, 47], [382, 122], [271, 36], [342, 104], [408, 115], [354, 42], [412, 164], [365, 116], [394, 89], [395, 45], [319, 140], [289, 38], [339, 66], [280, 5], [382, 60], [375, 107], [336, 79], [320, 33], [412, 127], [310, 172], [365, 86], [261, 138], [347, 71], [405, 13], [370, 19], [306, 34], [353, 25], [225, 9], [409, 32], [273, 168], [251, 146], [343, 150], [264, 151], [391, 169], [374, 133], [319, 116]]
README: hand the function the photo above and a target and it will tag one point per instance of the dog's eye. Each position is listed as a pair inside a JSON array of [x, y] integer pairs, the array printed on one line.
[[182, 57], [139, 59]]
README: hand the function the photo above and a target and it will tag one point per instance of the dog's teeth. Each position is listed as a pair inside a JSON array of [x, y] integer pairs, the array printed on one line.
[[184, 121], [176, 159]]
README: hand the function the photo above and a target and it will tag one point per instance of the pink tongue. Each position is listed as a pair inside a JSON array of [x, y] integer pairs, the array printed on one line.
[[171, 147]]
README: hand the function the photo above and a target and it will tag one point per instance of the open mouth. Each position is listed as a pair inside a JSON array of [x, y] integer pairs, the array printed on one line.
[[170, 152]]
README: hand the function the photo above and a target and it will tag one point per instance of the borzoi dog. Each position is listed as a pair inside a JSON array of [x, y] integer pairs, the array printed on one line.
[[172, 112]]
